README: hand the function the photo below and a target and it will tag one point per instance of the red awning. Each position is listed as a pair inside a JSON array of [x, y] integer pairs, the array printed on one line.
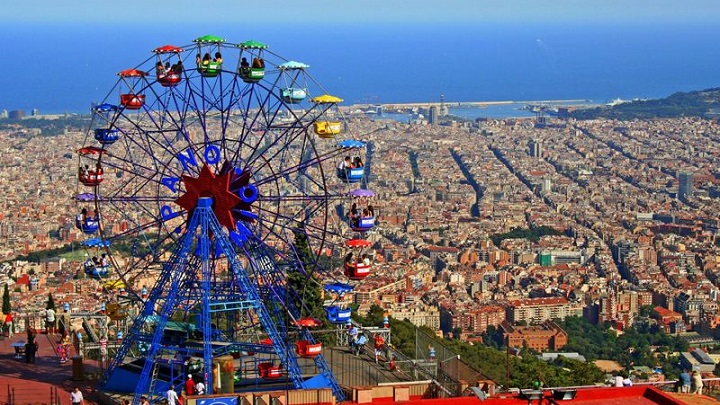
[[308, 322], [168, 49], [90, 150], [132, 73], [355, 243]]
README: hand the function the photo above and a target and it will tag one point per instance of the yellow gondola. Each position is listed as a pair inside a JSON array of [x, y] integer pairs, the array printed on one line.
[[327, 129]]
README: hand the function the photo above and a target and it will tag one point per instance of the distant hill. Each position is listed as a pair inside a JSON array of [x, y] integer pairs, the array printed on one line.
[[695, 103]]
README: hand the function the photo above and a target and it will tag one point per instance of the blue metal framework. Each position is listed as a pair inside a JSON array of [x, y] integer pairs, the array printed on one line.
[[191, 257]]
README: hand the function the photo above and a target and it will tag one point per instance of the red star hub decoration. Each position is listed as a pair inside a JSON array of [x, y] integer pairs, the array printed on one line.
[[207, 184]]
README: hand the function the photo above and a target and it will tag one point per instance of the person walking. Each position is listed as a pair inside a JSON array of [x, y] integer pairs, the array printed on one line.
[[172, 396], [379, 344], [76, 397], [9, 324], [698, 382]]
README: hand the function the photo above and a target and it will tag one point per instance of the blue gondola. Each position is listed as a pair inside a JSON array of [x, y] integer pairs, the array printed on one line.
[[353, 175], [89, 226], [338, 315], [95, 271], [363, 224], [106, 136], [293, 95], [335, 313]]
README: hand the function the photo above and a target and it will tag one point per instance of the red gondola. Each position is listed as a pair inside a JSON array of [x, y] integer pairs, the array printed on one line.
[[169, 80], [306, 349], [91, 177], [269, 372], [132, 100], [174, 76], [357, 269]]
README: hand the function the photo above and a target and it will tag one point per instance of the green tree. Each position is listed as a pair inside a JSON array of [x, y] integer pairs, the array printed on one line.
[[6, 307], [50, 302], [374, 316], [304, 281]]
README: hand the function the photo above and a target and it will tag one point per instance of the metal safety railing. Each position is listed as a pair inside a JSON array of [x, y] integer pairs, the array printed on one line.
[[20, 395]]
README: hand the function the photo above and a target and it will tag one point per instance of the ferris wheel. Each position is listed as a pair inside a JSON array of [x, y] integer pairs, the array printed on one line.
[[202, 168]]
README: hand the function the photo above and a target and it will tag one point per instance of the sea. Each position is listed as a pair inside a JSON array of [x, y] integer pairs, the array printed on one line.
[[63, 68]]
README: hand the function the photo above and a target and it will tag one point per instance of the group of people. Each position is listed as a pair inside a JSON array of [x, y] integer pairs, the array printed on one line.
[[92, 176], [350, 163], [257, 63], [85, 218], [358, 341], [355, 215], [163, 70], [687, 383], [174, 397], [206, 59], [349, 262], [102, 262]]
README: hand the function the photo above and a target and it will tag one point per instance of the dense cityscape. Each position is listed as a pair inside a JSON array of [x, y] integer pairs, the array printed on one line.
[[627, 214]]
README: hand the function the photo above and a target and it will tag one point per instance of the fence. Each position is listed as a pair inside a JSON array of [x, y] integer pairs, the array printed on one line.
[[23, 395]]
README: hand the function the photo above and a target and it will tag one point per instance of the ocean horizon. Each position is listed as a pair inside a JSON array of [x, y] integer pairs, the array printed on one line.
[[66, 68]]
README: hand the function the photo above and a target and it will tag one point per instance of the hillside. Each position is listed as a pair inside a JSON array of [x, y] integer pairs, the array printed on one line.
[[695, 103]]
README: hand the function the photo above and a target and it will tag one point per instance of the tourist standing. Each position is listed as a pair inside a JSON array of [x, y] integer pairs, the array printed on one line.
[[76, 397], [697, 380], [686, 382], [189, 386], [50, 321], [200, 388]]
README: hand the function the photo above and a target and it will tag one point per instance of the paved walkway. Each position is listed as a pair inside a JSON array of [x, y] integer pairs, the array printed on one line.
[[33, 383]]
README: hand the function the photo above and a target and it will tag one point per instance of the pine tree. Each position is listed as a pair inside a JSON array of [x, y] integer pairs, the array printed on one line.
[[6, 307], [50, 302], [306, 283]]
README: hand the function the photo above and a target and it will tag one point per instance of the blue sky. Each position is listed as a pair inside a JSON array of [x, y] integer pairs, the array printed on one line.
[[363, 11]]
